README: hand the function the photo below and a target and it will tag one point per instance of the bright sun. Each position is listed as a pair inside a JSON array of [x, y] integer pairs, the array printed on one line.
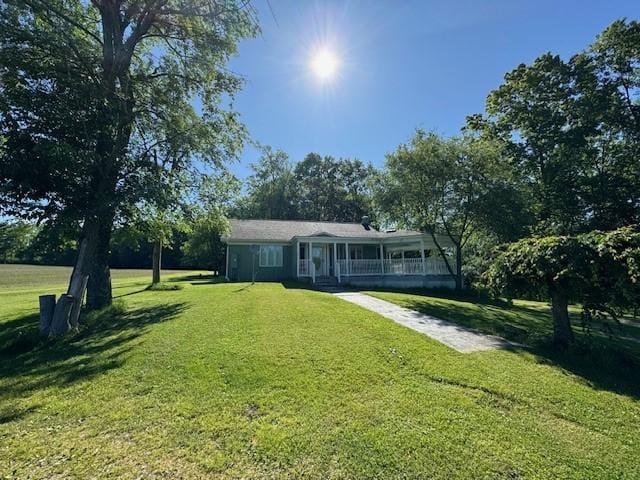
[[324, 65]]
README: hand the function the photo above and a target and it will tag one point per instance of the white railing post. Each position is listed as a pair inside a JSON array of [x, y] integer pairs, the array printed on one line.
[[338, 272], [313, 271]]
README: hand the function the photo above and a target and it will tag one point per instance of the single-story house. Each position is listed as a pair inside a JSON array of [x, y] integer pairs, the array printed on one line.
[[353, 254]]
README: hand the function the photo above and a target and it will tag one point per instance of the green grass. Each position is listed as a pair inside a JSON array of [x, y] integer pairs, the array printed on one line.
[[34, 276], [525, 321], [222, 380], [165, 286]]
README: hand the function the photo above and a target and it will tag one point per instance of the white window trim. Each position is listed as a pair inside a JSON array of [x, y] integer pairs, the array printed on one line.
[[267, 265]]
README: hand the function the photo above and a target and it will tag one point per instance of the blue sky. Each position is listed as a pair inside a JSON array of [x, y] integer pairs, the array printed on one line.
[[403, 65]]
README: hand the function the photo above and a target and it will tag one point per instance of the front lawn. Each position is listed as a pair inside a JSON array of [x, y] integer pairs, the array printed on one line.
[[267, 381]]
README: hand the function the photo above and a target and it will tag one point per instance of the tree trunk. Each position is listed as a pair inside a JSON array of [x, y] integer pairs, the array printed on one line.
[[459, 283], [562, 333], [66, 312], [157, 261], [99, 292], [457, 275]]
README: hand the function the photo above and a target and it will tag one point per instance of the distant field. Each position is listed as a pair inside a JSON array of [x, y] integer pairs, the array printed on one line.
[[16, 276], [22, 284]]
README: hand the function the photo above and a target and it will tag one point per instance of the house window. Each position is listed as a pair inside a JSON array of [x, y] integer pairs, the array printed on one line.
[[270, 255]]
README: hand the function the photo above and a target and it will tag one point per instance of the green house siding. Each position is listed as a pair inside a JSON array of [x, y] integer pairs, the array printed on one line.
[[240, 265]]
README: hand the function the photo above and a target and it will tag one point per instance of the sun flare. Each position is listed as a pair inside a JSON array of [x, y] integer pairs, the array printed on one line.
[[324, 64]]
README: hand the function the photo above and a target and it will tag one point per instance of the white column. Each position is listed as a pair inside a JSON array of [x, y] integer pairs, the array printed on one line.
[[298, 258], [347, 258], [403, 272], [226, 273], [381, 260], [335, 258], [422, 256]]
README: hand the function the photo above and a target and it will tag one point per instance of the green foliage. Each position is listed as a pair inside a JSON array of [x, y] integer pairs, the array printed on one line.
[[316, 188], [109, 107], [165, 287], [203, 246], [599, 270], [448, 185], [207, 221], [271, 187], [453, 186], [333, 189], [571, 129], [15, 239]]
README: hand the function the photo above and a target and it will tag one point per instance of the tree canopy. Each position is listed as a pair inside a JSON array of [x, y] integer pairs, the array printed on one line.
[[315, 188], [598, 270], [571, 129], [98, 100]]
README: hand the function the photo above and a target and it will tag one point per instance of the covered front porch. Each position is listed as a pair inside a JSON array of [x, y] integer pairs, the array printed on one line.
[[344, 259]]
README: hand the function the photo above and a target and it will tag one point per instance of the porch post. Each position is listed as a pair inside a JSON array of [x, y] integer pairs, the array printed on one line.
[[381, 260], [226, 268], [347, 258], [335, 258], [422, 256], [309, 258], [403, 271], [297, 258]]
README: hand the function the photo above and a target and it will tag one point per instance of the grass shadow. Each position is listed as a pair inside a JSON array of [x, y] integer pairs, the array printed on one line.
[[131, 293], [29, 363], [298, 285], [199, 279], [604, 362]]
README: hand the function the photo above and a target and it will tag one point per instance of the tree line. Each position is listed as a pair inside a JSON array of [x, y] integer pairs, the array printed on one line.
[[102, 147]]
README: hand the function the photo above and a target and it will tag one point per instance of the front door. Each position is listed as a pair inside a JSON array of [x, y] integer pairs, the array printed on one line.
[[321, 256]]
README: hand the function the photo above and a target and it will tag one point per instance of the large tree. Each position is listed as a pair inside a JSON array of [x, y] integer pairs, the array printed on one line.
[[271, 186], [84, 86], [208, 221], [448, 186], [333, 189], [572, 130], [598, 270], [316, 188]]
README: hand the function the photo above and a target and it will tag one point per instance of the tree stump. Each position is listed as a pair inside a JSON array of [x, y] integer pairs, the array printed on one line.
[[47, 306], [60, 324]]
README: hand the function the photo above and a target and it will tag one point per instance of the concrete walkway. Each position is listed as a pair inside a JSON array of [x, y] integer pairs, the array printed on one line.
[[459, 338]]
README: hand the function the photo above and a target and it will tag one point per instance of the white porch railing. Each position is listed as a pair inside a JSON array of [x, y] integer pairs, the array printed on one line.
[[406, 266], [393, 266], [304, 268], [388, 266], [437, 266]]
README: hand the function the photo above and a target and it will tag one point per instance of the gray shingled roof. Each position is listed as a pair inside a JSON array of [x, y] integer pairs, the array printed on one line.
[[286, 230]]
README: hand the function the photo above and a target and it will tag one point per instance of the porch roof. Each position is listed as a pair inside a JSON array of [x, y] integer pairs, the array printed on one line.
[[287, 230]]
